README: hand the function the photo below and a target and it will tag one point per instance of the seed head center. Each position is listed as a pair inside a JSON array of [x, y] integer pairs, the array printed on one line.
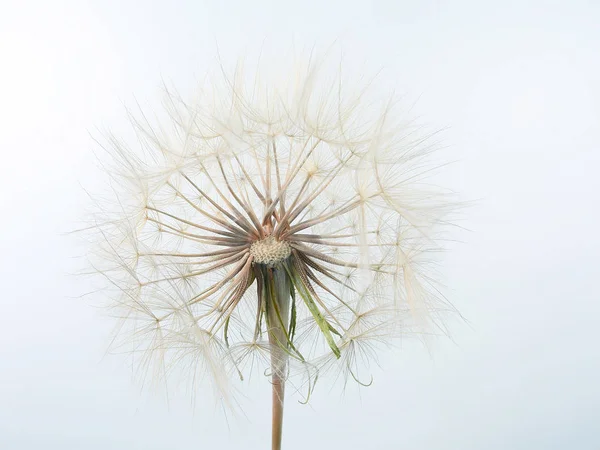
[[270, 251]]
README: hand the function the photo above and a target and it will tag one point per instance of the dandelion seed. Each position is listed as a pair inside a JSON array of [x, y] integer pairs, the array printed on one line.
[[280, 225]]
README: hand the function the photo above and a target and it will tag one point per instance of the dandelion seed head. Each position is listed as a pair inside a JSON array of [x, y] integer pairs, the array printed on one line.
[[257, 191]]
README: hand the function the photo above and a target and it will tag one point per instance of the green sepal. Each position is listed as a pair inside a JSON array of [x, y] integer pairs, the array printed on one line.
[[292, 330], [267, 293], [322, 323]]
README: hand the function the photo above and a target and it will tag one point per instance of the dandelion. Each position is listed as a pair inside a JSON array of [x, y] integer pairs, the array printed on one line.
[[278, 223]]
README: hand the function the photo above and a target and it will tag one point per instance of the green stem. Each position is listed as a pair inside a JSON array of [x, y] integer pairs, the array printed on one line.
[[276, 293]]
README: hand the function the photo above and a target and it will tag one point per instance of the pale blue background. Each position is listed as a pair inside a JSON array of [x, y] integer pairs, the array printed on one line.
[[517, 82]]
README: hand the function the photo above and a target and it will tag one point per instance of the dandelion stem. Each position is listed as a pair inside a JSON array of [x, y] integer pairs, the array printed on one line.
[[276, 289], [277, 423]]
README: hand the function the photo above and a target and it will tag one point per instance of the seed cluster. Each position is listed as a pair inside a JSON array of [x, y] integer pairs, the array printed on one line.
[[270, 251], [302, 179]]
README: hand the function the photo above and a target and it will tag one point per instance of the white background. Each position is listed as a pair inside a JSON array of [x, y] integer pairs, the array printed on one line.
[[518, 85]]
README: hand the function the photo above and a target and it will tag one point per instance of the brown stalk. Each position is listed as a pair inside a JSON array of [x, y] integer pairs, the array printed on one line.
[[328, 259], [218, 221], [235, 296], [224, 262], [200, 255], [243, 204], [213, 240], [316, 192], [254, 187], [241, 221], [290, 178], [195, 225], [215, 287], [318, 267], [320, 219]]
